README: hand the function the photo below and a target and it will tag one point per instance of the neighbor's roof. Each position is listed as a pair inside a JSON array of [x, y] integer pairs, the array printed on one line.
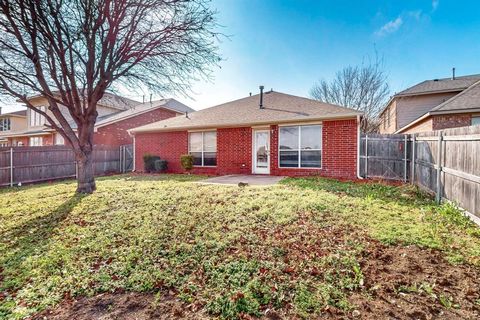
[[170, 104], [108, 100], [21, 113], [464, 101], [441, 85], [278, 108]]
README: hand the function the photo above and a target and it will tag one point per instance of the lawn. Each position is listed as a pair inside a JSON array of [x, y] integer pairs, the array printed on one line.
[[304, 248]]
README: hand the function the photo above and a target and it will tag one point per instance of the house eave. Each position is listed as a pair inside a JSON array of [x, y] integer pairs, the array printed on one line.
[[244, 124], [136, 114]]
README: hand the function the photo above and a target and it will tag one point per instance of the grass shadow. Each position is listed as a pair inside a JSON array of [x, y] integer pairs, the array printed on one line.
[[402, 194], [154, 177], [27, 240]]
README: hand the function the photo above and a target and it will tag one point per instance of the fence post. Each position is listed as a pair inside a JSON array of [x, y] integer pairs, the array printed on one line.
[[123, 159], [120, 166], [412, 174], [11, 167], [438, 196], [366, 155], [405, 160]]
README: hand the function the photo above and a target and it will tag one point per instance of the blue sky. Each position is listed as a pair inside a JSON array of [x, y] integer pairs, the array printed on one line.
[[289, 45]]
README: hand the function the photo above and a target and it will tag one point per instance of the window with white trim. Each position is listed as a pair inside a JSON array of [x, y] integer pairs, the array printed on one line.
[[36, 141], [203, 147], [36, 119], [300, 146], [59, 140], [476, 121], [5, 124]]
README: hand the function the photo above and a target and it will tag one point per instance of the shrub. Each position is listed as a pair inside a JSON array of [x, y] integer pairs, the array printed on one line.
[[187, 162], [160, 165], [149, 162]]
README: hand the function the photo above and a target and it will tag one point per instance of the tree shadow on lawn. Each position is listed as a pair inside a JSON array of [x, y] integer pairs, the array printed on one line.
[[28, 239], [401, 193], [139, 177]]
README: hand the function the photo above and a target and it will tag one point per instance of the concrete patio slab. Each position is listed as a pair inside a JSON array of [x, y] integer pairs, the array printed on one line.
[[235, 179]]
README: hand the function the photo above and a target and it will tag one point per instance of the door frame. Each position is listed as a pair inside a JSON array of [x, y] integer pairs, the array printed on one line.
[[254, 151]]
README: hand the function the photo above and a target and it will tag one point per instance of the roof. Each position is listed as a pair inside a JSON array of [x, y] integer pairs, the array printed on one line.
[[466, 100], [21, 113], [170, 104], [117, 102], [278, 108], [441, 85], [108, 100]]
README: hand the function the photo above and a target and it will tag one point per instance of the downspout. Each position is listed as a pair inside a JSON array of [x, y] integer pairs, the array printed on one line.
[[134, 160], [358, 147]]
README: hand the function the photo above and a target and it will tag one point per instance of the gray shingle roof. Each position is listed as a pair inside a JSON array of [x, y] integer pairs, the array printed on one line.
[[117, 102], [468, 99], [441, 85], [170, 104], [278, 108]]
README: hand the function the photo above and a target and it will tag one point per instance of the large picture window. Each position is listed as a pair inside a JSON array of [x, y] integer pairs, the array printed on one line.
[[476, 121], [300, 146], [203, 147]]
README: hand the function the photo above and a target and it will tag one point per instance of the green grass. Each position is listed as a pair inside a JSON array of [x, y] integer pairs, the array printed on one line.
[[231, 250]]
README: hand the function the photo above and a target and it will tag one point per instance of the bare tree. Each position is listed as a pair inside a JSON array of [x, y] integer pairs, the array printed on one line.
[[72, 51], [364, 88]]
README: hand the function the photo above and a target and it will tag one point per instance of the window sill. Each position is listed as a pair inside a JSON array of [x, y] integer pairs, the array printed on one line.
[[302, 168]]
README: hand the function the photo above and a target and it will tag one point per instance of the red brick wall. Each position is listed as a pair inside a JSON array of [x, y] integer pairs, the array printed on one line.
[[167, 145], [116, 133], [451, 121], [234, 151]]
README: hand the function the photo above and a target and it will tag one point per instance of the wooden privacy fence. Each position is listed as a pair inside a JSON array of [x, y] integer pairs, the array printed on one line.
[[446, 163], [35, 164]]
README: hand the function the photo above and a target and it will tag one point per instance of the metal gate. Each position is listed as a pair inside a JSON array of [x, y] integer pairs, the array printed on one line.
[[126, 158]]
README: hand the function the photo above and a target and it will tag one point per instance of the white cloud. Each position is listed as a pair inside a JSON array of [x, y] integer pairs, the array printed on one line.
[[417, 14], [390, 27], [435, 4]]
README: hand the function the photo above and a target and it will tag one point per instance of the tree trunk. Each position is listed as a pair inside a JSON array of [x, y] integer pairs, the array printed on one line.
[[85, 177]]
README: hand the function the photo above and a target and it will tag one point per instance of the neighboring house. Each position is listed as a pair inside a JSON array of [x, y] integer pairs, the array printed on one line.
[[433, 105], [271, 133], [116, 114], [10, 123]]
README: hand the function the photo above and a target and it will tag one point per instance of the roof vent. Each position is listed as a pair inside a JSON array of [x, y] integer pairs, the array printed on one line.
[[435, 79], [453, 73], [261, 96]]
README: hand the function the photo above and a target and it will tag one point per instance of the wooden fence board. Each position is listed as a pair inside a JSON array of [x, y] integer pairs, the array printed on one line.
[[33, 164], [450, 168]]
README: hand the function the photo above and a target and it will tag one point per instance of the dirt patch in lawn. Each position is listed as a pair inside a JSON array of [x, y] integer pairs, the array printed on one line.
[[413, 283], [398, 283], [122, 306]]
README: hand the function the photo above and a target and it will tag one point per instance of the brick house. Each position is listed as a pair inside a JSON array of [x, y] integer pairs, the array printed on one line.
[[116, 115], [433, 105], [268, 133]]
